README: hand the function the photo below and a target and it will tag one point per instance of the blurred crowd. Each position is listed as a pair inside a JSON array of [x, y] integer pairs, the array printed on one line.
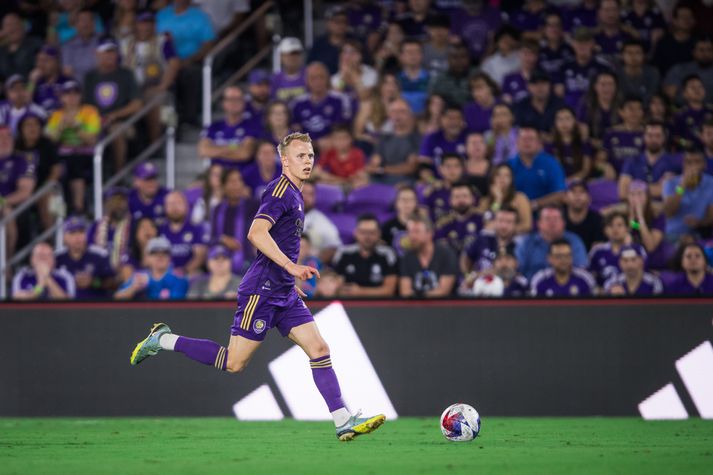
[[464, 148]]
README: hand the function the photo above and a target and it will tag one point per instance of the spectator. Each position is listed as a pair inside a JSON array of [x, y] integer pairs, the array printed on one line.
[[515, 284], [573, 152], [18, 103], [414, 20], [289, 82], [612, 34], [230, 220], [647, 21], [707, 139], [436, 196], [353, 76], [41, 280], [307, 258], [430, 121], [532, 251], [632, 280], [413, 78], [88, 265], [475, 23], [158, 281], [604, 256], [635, 76], [328, 285], [320, 109], [211, 196], [505, 59], [654, 165], [514, 84], [477, 112], [188, 241], [688, 121], [688, 198], [152, 57], [372, 119], [529, 18], [701, 66], [344, 163], [535, 172], [75, 129], [17, 182], [695, 278], [79, 53], [477, 165], [583, 15], [573, 79], [263, 170], [111, 232], [625, 140], [459, 227], [136, 257], [124, 18], [17, 54], [554, 50], [65, 23], [597, 111], [396, 156], [580, 218], [453, 83], [449, 139], [230, 142], [112, 89], [47, 79], [502, 136], [326, 48], [436, 51], [39, 150], [147, 197], [539, 108], [323, 234], [386, 55], [258, 98], [277, 122], [220, 283], [501, 193], [561, 278], [659, 108], [393, 231], [429, 269], [368, 268], [490, 243], [677, 44]]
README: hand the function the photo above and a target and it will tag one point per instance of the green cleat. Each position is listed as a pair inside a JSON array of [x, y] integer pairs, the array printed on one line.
[[149, 346], [357, 426]]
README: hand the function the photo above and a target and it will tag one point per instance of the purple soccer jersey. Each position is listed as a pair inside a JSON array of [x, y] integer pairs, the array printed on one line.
[[183, 240], [483, 250], [13, 168], [649, 285], [580, 16], [682, 286], [545, 284], [253, 179], [223, 134], [518, 287], [610, 46], [436, 144], [652, 19], [318, 118], [639, 168], [525, 20], [515, 85], [565, 154], [26, 280], [154, 209], [459, 231], [47, 94], [437, 198], [687, 124], [604, 261], [95, 262], [552, 60], [285, 88], [477, 117], [475, 29], [622, 145], [575, 78]]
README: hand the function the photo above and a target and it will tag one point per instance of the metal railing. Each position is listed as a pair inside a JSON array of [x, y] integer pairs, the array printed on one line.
[[49, 187], [220, 46]]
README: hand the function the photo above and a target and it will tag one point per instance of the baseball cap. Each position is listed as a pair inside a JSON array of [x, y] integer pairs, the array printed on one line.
[[582, 33], [290, 45], [71, 85], [158, 244], [145, 171], [107, 44], [145, 16], [258, 76], [115, 191], [218, 251], [632, 251], [14, 79], [74, 224], [539, 76]]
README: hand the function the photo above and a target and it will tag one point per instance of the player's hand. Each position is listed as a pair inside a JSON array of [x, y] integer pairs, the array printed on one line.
[[301, 272]]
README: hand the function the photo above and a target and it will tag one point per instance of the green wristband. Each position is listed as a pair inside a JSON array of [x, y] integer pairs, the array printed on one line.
[[680, 190], [634, 224]]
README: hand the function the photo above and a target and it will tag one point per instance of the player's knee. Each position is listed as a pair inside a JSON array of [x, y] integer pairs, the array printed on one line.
[[319, 350], [233, 366]]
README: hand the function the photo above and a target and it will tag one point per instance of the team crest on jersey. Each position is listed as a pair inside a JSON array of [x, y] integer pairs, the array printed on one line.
[[188, 237], [259, 326], [573, 290]]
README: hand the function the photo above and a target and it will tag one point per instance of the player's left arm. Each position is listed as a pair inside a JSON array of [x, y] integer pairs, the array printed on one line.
[[259, 236]]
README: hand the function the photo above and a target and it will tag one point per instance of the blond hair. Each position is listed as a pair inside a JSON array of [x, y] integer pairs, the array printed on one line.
[[282, 147]]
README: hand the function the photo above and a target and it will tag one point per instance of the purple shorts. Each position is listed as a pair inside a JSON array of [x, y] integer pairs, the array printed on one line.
[[256, 314]]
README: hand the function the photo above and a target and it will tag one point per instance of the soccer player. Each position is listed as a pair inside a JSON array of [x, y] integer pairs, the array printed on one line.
[[267, 296]]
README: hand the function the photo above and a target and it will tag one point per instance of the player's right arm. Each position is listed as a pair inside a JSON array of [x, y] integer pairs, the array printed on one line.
[[259, 236]]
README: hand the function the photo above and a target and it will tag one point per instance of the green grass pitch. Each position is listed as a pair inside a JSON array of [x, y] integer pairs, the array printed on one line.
[[408, 446]]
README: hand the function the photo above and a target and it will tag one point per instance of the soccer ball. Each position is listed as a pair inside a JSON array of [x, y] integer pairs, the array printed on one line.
[[460, 423], [488, 286]]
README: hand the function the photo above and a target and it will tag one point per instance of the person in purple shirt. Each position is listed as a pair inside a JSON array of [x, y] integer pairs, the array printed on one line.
[[47, 79], [645, 18], [459, 228], [515, 83], [539, 107], [414, 21], [258, 97], [188, 241], [112, 232], [449, 139], [611, 35], [562, 279], [707, 140], [319, 109], [290, 81], [695, 278], [597, 111], [88, 265], [688, 121], [632, 280], [529, 18], [554, 50], [436, 197], [147, 196], [572, 80], [268, 297], [18, 104], [41, 280], [626, 140], [475, 23], [263, 170], [478, 111], [604, 257], [230, 142], [489, 244], [583, 15], [568, 146]]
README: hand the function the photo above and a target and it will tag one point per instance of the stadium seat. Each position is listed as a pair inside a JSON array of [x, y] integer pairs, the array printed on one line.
[[603, 192], [345, 223], [373, 198], [329, 198]]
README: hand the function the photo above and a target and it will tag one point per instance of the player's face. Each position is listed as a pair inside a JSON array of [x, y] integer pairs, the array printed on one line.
[[631, 266], [367, 234], [560, 259], [299, 159], [76, 241], [693, 260]]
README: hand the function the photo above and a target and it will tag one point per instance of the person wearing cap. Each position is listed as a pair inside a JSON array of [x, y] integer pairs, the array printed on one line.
[[632, 279], [326, 47], [79, 53], [147, 196], [112, 89], [158, 281], [220, 283], [113, 230], [579, 217], [604, 256], [538, 109], [562, 278], [258, 96], [152, 57], [289, 82], [89, 265], [18, 103], [41, 280], [188, 241], [75, 128], [18, 51], [47, 79], [696, 279]]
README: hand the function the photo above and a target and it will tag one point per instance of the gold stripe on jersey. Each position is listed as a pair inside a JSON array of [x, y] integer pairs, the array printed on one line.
[[283, 188], [266, 216], [280, 187]]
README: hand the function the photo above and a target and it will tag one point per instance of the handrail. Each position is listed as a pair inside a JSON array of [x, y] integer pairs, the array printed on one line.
[[220, 46], [244, 69], [126, 169]]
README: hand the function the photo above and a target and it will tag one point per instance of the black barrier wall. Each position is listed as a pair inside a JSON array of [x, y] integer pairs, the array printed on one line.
[[538, 359]]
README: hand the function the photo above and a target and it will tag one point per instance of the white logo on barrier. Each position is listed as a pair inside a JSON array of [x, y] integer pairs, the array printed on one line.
[[361, 386]]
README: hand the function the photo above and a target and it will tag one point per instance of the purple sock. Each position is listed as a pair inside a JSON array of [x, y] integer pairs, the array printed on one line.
[[326, 380], [203, 351]]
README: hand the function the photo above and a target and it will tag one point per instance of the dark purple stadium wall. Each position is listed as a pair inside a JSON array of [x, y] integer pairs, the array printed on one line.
[[516, 358]]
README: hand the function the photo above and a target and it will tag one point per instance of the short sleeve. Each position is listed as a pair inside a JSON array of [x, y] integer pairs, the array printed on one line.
[[206, 28], [669, 187], [271, 207]]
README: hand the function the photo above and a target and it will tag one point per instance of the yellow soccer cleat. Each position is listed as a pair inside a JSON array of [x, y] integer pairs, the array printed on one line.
[[357, 426]]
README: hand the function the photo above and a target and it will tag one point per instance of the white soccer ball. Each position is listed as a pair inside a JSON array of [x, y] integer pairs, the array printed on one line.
[[460, 423], [488, 285]]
